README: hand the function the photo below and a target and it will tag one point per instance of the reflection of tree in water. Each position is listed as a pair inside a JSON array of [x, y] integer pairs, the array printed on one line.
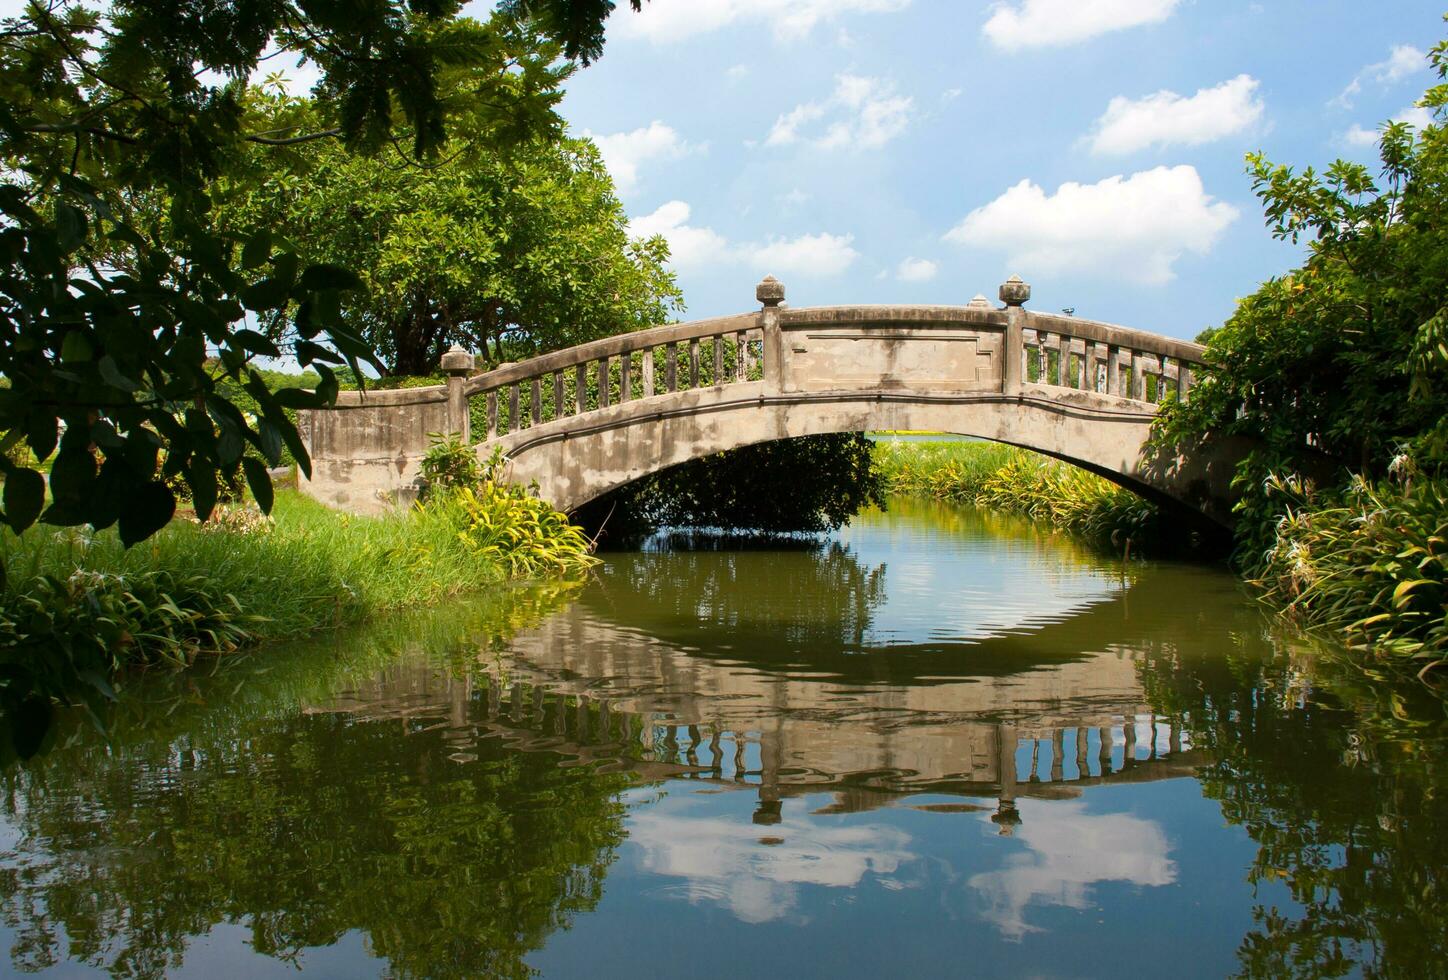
[[770, 605], [303, 827], [1339, 781]]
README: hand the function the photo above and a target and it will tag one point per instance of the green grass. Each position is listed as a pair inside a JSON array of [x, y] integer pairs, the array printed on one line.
[[78, 611], [313, 568], [998, 477]]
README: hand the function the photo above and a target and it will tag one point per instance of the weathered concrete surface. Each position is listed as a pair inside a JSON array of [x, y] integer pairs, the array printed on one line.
[[964, 370], [367, 450], [574, 461]]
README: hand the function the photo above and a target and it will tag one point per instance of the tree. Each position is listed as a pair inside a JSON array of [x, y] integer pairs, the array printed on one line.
[[1346, 356], [116, 337], [507, 254]]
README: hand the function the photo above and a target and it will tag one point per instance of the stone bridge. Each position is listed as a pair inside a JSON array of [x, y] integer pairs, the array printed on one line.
[[583, 421]]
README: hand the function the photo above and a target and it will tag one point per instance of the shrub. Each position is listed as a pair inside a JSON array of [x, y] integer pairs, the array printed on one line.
[[1370, 560]]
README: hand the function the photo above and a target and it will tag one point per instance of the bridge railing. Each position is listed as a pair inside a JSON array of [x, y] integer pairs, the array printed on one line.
[[678, 357], [1040, 349], [1062, 351]]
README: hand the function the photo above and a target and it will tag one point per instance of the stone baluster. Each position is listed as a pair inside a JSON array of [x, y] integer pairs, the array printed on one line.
[[1063, 360], [457, 364], [718, 344], [625, 376], [558, 406], [603, 394], [580, 388], [513, 413], [493, 414], [647, 365], [1014, 293], [536, 406], [671, 366], [694, 363], [770, 293], [1113, 370]]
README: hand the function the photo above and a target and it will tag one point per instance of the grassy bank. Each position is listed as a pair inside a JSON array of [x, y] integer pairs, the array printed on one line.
[[987, 474], [77, 609]]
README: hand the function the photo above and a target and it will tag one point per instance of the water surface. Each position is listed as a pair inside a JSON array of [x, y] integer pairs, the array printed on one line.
[[941, 743]]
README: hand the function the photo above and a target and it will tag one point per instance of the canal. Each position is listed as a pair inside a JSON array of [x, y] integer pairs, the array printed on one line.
[[939, 743]]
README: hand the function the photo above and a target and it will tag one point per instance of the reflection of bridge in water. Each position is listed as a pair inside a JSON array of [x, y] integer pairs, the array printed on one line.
[[599, 693]]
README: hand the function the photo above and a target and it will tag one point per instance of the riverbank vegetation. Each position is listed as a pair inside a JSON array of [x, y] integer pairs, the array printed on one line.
[[78, 609], [1338, 374], [1004, 478]]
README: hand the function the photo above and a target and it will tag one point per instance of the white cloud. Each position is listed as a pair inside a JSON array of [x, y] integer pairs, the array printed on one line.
[[865, 113], [690, 247], [735, 72], [1071, 850], [1133, 227], [721, 863], [916, 270], [624, 153], [1050, 23], [808, 255], [1416, 116], [665, 21], [1402, 61], [1166, 118]]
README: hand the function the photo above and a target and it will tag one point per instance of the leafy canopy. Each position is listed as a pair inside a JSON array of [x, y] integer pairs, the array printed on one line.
[[121, 328], [510, 254], [1346, 356]]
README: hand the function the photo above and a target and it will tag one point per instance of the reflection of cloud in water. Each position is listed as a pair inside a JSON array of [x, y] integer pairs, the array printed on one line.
[[1071, 850], [725, 862]]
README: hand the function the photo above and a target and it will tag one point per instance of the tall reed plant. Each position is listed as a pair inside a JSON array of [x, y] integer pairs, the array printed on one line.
[[991, 475], [1369, 561]]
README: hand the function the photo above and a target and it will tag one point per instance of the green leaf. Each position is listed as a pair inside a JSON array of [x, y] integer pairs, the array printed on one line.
[[271, 441], [70, 225], [111, 375], [24, 498], [72, 474], [260, 482], [42, 431], [76, 348], [1400, 594], [257, 249], [267, 294], [146, 511], [325, 276], [201, 478]]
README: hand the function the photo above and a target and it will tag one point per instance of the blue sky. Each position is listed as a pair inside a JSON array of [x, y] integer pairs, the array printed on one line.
[[920, 151]]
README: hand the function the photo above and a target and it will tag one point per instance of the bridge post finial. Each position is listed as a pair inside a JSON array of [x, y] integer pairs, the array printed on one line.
[[1015, 291], [456, 363], [769, 292]]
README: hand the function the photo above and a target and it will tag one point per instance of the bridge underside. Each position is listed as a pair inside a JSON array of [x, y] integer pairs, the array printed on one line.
[[574, 461]]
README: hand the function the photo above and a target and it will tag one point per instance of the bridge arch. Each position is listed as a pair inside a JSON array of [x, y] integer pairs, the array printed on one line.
[[584, 421]]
